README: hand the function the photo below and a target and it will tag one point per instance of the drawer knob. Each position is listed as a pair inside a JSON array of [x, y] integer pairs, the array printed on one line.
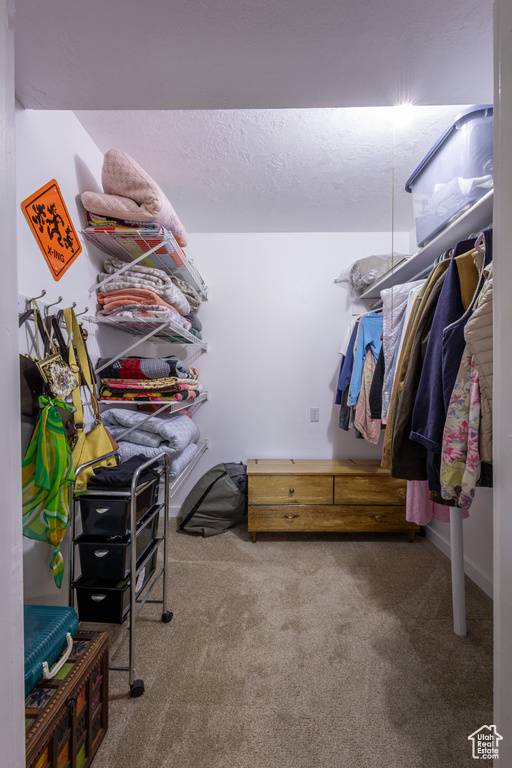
[[292, 490], [378, 517], [289, 517]]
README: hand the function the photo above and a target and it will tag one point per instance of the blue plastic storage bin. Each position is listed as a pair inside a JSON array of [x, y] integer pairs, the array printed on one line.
[[44, 633], [455, 174]]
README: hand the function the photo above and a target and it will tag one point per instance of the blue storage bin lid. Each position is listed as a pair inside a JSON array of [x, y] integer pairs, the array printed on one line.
[[464, 117], [44, 634]]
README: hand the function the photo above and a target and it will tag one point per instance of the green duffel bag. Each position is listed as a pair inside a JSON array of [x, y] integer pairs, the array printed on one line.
[[217, 502]]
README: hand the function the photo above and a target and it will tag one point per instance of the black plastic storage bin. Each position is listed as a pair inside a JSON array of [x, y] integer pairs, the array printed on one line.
[[109, 558], [108, 602], [110, 515]]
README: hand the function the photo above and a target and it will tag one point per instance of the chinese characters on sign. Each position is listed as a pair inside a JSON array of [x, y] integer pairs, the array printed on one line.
[[51, 224]]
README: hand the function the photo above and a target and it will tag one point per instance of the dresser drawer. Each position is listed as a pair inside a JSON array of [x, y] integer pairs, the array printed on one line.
[[357, 519], [369, 490], [290, 489]]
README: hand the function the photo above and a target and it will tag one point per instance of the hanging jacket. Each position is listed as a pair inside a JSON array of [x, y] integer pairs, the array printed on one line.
[[479, 339]]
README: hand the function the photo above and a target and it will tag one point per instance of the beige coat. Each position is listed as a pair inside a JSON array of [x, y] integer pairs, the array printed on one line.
[[478, 336]]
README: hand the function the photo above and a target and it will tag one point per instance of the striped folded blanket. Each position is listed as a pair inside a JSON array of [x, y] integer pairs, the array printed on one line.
[[171, 384], [146, 368], [132, 397]]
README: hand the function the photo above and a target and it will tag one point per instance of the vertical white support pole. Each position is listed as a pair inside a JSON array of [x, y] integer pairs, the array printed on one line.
[[457, 560]]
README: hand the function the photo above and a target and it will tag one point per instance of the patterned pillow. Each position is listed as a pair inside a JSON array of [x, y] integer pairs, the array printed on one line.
[[132, 194]]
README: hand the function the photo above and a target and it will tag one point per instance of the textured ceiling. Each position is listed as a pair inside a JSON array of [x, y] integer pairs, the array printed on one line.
[[308, 170], [237, 54], [232, 105]]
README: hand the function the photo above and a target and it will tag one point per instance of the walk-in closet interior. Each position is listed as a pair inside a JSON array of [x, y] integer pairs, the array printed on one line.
[[284, 146]]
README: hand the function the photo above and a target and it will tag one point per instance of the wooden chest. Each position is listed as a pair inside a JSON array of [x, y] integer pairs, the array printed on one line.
[[325, 495], [66, 718]]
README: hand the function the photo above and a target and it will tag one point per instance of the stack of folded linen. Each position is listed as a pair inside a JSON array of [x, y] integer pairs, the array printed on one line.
[[174, 434], [135, 379], [145, 294]]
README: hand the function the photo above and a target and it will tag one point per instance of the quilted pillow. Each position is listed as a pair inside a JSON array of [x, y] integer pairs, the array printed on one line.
[[132, 194]]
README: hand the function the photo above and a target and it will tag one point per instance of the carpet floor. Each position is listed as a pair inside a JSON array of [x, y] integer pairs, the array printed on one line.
[[302, 651]]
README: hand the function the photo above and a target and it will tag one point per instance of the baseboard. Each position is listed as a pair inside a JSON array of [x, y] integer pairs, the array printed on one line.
[[174, 510], [471, 570]]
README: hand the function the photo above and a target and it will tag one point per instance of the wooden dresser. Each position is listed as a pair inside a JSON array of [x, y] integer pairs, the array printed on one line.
[[355, 496]]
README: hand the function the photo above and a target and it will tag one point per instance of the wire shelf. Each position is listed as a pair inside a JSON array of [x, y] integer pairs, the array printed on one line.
[[176, 484], [169, 406], [165, 253], [168, 331]]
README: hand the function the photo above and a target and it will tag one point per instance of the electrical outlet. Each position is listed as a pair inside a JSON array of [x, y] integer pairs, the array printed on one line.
[[314, 414]]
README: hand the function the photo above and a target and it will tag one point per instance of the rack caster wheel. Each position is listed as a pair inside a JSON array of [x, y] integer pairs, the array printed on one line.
[[167, 617], [136, 689]]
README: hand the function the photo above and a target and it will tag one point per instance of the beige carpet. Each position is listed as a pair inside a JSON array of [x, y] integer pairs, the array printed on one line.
[[302, 651]]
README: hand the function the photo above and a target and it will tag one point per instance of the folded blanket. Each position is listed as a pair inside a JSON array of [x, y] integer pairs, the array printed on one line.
[[191, 294], [146, 368], [194, 321], [152, 312], [176, 465], [133, 397], [146, 278], [112, 299], [175, 429], [170, 385]]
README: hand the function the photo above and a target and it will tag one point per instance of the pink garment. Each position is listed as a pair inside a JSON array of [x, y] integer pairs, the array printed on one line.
[[421, 509]]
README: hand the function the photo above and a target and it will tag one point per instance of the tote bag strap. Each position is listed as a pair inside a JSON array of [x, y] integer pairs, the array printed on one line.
[[74, 334]]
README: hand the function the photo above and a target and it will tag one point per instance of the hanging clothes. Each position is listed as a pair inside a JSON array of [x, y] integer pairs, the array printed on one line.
[[368, 427], [460, 458], [394, 305], [408, 458], [429, 411], [47, 472], [479, 339], [370, 333], [402, 365]]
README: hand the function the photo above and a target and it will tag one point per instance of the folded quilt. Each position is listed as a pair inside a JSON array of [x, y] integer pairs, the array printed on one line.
[[153, 312], [112, 299], [176, 429], [146, 368], [191, 294], [132, 397], [146, 278], [177, 463], [170, 384]]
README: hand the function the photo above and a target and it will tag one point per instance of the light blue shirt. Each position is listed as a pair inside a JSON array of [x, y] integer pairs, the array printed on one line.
[[370, 332]]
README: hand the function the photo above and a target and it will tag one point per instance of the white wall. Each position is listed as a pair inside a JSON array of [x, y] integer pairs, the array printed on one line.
[[274, 323], [52, 145], [12, 735]]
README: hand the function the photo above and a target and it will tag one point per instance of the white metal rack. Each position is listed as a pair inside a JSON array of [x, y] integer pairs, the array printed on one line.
[[472, 221], [151, 249], [168, 331]]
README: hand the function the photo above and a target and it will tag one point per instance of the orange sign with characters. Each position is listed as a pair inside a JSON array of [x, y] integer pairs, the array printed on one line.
[[51, 224]]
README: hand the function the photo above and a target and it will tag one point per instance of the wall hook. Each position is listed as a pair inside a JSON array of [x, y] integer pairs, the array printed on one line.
[[52, 305], [77, 314], [34, 298]]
